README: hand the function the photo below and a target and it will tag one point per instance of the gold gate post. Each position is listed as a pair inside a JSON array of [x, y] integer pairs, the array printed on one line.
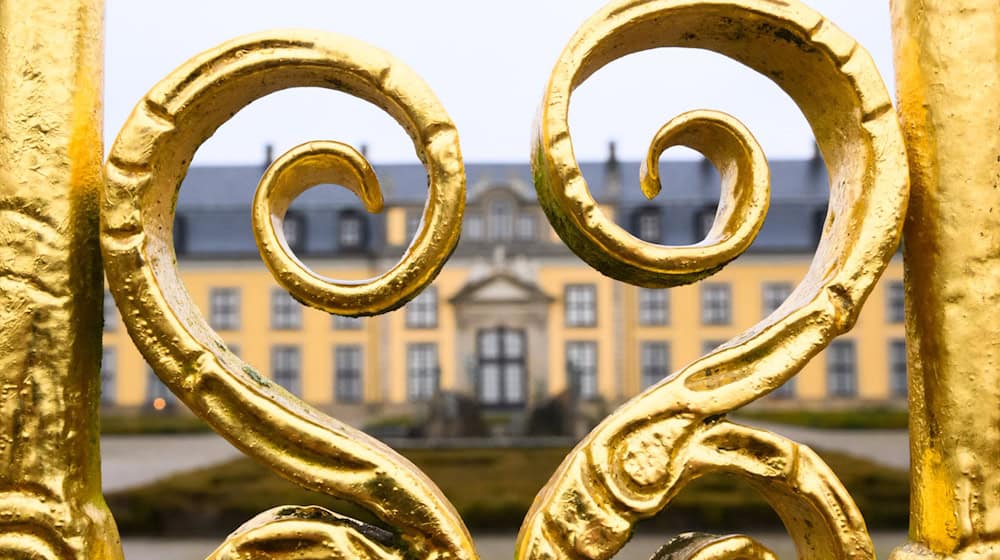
[[948, 68], [51, 58]]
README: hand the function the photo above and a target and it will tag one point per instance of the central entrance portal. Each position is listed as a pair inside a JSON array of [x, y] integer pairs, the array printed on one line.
[[501, 367]]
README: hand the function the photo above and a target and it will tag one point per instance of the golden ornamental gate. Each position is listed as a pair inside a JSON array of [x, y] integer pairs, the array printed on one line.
[[61, 209]]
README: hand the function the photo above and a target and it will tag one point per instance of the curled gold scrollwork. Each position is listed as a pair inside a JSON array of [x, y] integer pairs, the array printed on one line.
[[144, 171], [639, 458]]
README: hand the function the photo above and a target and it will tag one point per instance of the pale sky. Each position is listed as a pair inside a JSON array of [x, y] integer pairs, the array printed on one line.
[[488, 63]]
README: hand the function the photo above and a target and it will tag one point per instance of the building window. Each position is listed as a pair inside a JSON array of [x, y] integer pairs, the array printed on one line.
[[421, 371], [898, 386], [286, 313], [896, 302], [501, 355], [501, 220], [704, 221], [224, 308], [654, 307], [581, 368], [295, 230], [709, 346], [422, 311], [180, 235], [774, 294], [655, 362], [158, 395], [474, 227], [842, 369], [526, 227], [350, 230], [785, 390], [109, 369], [235, 349], [716, 307], [581, 305], [347, 374], [286, 368], [413, 218], [648, 225], [342, 323], [110, 313]]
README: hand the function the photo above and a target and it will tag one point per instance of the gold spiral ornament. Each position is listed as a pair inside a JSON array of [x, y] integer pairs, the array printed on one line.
[[144, 171], [639, 458]]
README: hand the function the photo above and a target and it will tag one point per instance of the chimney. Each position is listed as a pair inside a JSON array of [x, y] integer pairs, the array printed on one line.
[[612, 172], [816, 161], [364, 150], [268, 155]]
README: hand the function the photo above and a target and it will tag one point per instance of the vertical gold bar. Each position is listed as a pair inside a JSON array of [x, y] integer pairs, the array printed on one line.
[[948, 68], [51, 57]]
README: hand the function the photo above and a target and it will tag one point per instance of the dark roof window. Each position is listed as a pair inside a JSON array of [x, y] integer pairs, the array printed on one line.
[[350, 230]]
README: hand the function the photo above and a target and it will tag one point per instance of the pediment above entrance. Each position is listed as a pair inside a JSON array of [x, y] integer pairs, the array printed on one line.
[[501, 288]]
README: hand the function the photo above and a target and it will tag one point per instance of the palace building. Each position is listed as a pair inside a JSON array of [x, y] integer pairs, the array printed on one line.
[[515, 317]]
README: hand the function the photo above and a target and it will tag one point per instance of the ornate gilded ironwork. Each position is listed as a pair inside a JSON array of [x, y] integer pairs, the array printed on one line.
[[634, 462]]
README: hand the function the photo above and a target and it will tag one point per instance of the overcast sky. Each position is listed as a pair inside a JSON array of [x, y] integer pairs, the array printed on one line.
[[488, 63]]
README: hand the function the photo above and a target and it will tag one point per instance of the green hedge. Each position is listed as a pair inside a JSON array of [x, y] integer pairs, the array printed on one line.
[[858, 419], [491, 488]]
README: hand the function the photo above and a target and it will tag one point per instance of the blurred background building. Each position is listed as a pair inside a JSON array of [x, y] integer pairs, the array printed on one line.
[[515, 318]]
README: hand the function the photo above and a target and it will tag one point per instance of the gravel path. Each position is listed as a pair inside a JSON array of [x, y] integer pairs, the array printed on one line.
[[129, 461]]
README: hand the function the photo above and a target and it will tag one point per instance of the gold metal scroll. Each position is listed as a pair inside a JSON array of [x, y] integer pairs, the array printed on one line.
[[635, 461], [144, 172]]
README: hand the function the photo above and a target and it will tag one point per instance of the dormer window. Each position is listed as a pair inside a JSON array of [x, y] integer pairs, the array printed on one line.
[[501, 220], [647, 225], [295, 230], [526, 229], [474, 226], [703, 222], [350, 230]]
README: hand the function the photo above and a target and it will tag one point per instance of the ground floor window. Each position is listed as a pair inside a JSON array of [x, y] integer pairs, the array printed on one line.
[[286, 368], [422, 371], [109, 369], [158, 395], [502, 371], [898, 386], [842, 369], [581, 368], [655, 362], [347, 374]]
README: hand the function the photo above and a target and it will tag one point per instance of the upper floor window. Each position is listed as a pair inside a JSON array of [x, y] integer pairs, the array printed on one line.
[[501, 220], [347, 374], [648, 225], [898, 386], [709, 346], [581, 305], [286, 368], [716, 305], [286, 313], [773, 295], [474, 226], [110, 312], [654, 307], [895, 302], [109, 373], [842, 369], [295, 230], [350, 230], [224, 308], [581, 368], [422, 311], [342, 323], [655, 362], [422, 371], [526, 227]]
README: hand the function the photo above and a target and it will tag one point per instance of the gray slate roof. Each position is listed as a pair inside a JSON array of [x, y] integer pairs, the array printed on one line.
[[214, 205]]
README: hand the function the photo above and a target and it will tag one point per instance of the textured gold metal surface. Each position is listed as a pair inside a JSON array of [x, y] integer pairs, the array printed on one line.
[[145, 167], [51, 507], [948, 68], [635, 461]]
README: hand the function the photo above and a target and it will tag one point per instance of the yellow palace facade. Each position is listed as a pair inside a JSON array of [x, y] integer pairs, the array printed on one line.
[[514, 318]]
